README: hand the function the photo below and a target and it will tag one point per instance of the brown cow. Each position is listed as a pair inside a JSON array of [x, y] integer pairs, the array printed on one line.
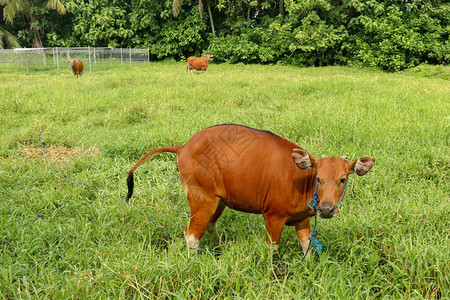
[[258, 172], [77, 66], [198, 63]]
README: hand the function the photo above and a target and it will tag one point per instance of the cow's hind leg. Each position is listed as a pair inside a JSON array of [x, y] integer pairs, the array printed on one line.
[[203, 208]]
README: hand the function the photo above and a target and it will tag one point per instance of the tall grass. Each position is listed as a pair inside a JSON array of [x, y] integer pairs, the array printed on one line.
[[62, 240]]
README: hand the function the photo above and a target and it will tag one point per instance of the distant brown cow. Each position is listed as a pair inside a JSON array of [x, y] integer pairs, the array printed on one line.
[[198, 63], [258, 172], [77, 66]]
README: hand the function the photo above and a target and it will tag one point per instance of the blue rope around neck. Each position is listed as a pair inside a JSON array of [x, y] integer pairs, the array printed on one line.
[[314, 204]]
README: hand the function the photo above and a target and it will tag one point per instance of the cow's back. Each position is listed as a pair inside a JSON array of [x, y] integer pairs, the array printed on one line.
[[190, 60], [243, 166]]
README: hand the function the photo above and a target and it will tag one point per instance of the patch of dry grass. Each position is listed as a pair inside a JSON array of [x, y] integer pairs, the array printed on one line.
[[59, 155]]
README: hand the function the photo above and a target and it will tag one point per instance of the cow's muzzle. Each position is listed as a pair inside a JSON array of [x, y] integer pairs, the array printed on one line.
[[327, 211]]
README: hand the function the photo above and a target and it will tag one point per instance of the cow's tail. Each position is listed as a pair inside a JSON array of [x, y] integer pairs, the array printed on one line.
[[130, 178]]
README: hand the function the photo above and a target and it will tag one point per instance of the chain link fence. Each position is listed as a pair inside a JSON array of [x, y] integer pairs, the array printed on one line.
[[91, 56]]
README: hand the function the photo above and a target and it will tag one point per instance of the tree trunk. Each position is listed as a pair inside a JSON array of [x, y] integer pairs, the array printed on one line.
[[211, 18], [200, 9], [281, 4], [37, 43]]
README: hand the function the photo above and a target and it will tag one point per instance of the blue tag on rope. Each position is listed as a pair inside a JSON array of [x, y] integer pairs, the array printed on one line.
[[316, 244]]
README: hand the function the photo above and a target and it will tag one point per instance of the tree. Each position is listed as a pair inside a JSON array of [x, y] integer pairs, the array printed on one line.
[[29, 9], [177, 7]]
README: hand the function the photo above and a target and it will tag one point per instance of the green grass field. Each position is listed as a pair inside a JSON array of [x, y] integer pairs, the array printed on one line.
[[61, 240]]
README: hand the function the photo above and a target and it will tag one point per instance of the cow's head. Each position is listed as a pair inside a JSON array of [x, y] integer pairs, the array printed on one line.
[[209, 56], [331, 176], [71, 62]]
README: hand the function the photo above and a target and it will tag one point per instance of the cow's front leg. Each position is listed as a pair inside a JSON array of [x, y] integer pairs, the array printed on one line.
[[274, 227], [303, 232]]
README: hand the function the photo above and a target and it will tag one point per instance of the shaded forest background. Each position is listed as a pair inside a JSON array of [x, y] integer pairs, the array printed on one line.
[[391, 34]]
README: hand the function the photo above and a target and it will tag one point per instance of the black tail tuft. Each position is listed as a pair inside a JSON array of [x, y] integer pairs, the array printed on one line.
[[130, 183]]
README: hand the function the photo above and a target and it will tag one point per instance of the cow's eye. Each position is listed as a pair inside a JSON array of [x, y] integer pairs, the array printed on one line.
[[342, 181]]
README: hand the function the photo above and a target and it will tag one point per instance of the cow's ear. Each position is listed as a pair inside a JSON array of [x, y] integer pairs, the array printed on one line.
[[302, 159], [363, 165]]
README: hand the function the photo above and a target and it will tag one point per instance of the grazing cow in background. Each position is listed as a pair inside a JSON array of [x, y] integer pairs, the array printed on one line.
[[77, 66], [198, 63], [257, 172]]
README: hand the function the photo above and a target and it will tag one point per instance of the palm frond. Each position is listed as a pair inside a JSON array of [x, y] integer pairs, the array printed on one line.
[[9, 39], [12, 7], [56, 5], [176, 6]]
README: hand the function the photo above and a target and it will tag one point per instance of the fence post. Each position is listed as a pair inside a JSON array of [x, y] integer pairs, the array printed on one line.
[[110, 56], [57, 57], [26, 58], [68, 53], [130, 56], [44, 58], [53, 54], [148, 55], [90, 64], [121, 56], [95, 57]]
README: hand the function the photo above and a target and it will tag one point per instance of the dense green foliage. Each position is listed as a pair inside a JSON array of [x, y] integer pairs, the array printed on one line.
[[393, 34], [60, 240], [34, 17]]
